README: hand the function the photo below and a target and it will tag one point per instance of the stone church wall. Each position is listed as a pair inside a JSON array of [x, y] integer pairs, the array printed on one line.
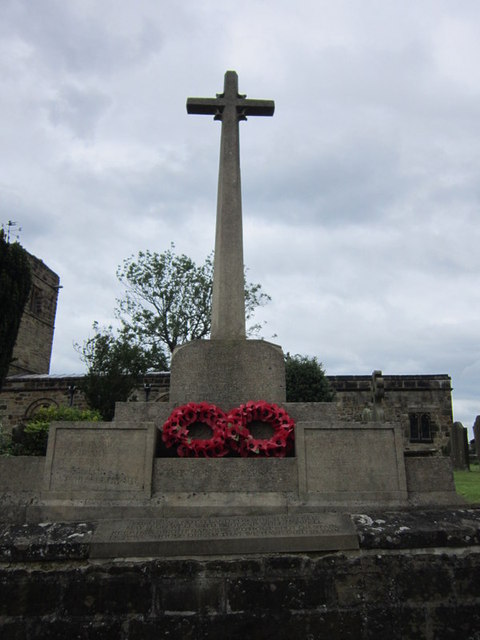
[[407, 398], [21, 396]]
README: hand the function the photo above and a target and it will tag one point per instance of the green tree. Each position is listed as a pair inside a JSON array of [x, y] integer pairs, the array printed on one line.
[[15, 282], [114, 365], [167, 302], [305, 380], [168, 299]]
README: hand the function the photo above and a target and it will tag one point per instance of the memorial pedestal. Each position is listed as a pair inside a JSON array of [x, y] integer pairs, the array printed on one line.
[[227, 373], [107, 472]]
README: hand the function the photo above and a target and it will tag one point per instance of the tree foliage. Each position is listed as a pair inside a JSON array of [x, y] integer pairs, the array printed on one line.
[[15, 282], [305, 380], [168, 299], [167, 302], [114, 365]]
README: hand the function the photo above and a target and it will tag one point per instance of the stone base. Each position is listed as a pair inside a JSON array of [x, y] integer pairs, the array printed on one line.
[[107, 471], [227, 372], [399, 593], [370, 529], [162, 537]]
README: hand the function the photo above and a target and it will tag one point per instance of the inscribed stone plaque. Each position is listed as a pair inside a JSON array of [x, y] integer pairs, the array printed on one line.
[[220, 535], [88, 458], [350, 459]]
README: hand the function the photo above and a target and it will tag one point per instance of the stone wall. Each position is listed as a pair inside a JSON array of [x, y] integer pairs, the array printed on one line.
[[399, 595], [33, 346], [404, 396], [21, 396]]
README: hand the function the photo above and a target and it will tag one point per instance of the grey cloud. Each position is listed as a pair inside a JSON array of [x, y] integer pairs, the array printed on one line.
[[361, 194], [78, 108], [79, 38]]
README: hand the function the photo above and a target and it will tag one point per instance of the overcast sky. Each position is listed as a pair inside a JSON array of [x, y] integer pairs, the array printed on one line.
[[360, 196]]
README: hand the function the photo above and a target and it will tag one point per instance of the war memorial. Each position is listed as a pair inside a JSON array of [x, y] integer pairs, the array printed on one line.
[[275, 520]]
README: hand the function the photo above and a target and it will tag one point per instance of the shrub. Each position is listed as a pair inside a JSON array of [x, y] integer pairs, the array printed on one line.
[[305, 380], [35, 435]]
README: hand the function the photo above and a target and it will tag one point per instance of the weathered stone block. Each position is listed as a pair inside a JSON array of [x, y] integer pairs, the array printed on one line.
[[91, 459], [467, 577], [432, 580], [21, 473], [170, 627], [374, 452], [79, 628], [231, 475], [184, 568], [201, 595], [455, 621], [394, 622], [29, 591], [44, 542], [227, 372], [223, 535], [428, 474], [16, 629], [276, 595], [124, 591]]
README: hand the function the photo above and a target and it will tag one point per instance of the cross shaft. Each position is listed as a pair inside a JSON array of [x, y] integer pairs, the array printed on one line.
[[228, 299]]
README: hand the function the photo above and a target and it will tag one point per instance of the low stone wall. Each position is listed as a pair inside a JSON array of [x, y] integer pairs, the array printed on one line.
[[397, 595], [22, 395]]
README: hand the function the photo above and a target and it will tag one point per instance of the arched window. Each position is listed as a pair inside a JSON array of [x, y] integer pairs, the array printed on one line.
[[420, 427]]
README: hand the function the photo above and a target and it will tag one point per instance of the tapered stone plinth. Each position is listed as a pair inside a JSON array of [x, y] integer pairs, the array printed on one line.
[[227, 372]]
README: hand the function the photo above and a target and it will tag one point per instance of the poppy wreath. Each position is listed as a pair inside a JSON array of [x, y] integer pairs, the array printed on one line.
[[241, 440], [229, 432], [175, 431]]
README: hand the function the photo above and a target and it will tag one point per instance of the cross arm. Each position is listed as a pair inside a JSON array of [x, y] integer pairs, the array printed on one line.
[[203, 106], [209, 106], [256, 107]]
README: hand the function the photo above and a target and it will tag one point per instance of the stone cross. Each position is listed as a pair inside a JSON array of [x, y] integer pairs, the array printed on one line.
[[228, 301]]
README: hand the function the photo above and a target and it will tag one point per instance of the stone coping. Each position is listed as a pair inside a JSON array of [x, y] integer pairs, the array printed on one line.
[[413, 529]]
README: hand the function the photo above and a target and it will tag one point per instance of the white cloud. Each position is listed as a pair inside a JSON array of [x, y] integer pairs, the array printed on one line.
[[360, 195]]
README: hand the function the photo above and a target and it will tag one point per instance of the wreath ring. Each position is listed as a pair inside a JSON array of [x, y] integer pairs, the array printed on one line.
[[175, 430], [241, 439]]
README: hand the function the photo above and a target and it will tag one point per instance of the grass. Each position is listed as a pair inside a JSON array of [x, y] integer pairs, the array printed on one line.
[[467, 483]]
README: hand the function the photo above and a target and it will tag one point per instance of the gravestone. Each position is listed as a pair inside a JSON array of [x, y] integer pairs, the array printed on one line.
[[459, 447], [476, 435]]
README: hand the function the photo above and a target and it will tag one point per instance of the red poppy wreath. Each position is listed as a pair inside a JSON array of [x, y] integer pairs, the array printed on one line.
[[241, 439], [229, 432], [175, 430]]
